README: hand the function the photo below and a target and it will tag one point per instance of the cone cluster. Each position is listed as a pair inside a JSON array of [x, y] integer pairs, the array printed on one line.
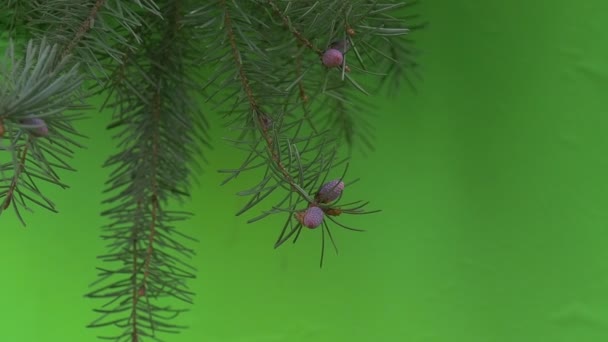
[[313, 216]]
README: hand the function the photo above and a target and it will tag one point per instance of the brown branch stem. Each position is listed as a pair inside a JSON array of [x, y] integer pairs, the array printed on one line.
[[154, 186], [134, 237], [254, 105], [299, 36], [20, 167], [86, 25]]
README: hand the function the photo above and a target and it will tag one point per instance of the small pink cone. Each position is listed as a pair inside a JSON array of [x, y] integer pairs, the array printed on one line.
[[313, 217], [332, 58], [330, 191]]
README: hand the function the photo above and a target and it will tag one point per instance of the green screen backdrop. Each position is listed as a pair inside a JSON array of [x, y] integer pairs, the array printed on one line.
[[493, 183]]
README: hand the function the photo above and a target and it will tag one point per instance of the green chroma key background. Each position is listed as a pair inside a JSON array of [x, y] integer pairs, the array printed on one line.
[[493, 183]]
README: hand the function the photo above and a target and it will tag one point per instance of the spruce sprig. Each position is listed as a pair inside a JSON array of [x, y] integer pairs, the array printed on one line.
[[62, 36], [38, 85], [153, 92], [92, 31], [265, 100]]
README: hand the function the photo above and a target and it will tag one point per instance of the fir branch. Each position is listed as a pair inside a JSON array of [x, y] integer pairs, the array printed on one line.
[[152, 167], [50, 21], [96, 33], [255, 110], [280, 136], [35, 91]]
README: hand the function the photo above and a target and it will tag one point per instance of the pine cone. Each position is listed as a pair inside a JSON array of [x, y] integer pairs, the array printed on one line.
[[330, 191], [313, 217], [332, 58]]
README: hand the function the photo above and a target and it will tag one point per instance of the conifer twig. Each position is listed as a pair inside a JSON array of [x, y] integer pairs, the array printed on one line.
[[86, 25], [254, 105], [13, 185], [299, 36]]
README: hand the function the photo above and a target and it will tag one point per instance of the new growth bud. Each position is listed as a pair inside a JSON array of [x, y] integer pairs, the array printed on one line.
[[330, 191], [266, 122], [332, 58], [38, 127]]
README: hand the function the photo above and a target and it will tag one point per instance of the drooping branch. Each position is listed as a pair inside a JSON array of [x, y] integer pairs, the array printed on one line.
[[254, 107], [34, 89], [152, 165]]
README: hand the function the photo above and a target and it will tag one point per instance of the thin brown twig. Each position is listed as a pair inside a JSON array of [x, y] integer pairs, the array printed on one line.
[[139, 291], [20, 167], [134, 333], [86, 25], [299, 36], [156, 116], [154, 197], [254, 105]]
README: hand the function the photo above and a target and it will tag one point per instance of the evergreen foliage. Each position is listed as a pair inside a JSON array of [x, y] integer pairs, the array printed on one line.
[[260, 67]]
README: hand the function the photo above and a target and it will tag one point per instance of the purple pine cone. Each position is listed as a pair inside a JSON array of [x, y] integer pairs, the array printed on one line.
[[39, 129], [313, 217], [330, 191], [332, 58]]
